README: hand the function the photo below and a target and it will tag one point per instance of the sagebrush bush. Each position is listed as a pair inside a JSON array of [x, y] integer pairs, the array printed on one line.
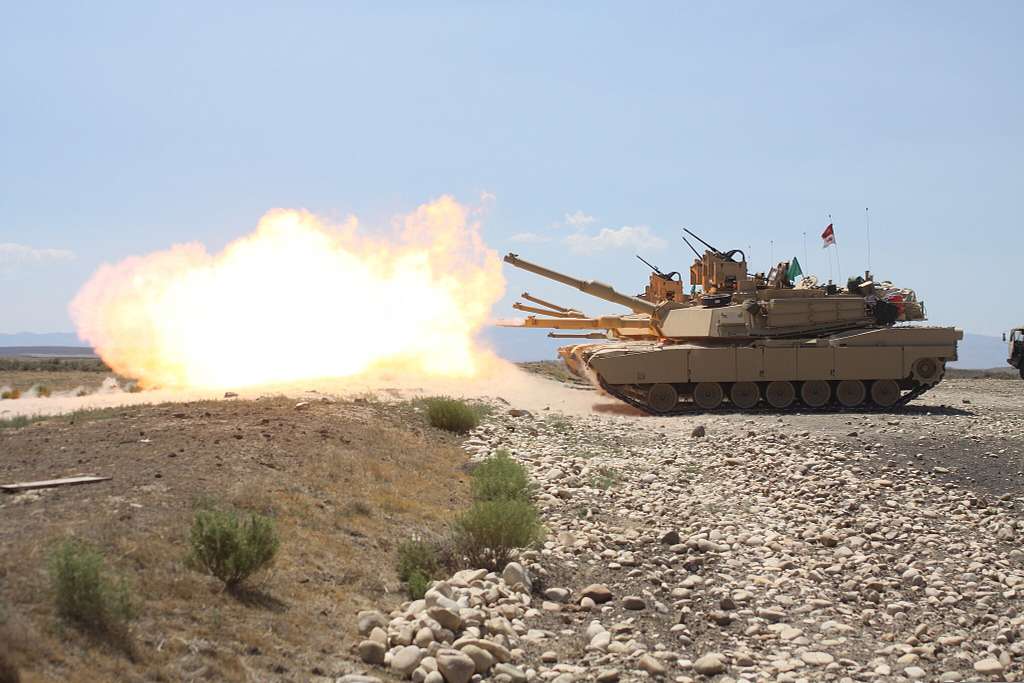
[[230, 546], [451, 414], [84, 593], [500, 477], [10, 393], [490, 530]]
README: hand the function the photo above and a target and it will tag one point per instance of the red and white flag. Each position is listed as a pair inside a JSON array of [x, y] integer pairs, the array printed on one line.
[[828, 237]]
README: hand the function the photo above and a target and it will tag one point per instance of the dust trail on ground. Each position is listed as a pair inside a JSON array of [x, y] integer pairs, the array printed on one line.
[[500, 380]]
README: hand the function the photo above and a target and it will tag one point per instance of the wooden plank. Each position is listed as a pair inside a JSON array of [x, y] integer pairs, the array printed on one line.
[[49, 483]]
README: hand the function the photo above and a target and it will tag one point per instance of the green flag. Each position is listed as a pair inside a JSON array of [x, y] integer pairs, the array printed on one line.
[[795, 270]]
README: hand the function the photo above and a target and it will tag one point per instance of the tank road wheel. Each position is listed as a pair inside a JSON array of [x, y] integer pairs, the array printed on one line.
[[662, 398], [744, 395], [851, 393], [780, 394], [815, 393], [927, 370], [708, 395], [885, 392]]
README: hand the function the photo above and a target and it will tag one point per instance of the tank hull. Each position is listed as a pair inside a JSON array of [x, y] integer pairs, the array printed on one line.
[[884, 367]]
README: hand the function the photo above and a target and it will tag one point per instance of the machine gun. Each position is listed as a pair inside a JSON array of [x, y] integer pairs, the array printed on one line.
[[663, 286]]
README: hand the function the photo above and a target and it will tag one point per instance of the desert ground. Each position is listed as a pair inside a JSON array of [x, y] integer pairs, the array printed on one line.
[[805, 546]]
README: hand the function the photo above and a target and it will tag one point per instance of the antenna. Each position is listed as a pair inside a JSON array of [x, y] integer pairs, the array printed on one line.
[[695, 252], [867, 224], [694, 236], [649, 264]]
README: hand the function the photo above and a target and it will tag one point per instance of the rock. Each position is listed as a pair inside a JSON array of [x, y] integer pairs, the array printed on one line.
[[710, 664], [230, 394], [557, 594], [434, 677], [482, 659], [600, 641], [516, 412], [598, 592], [424, 637], [632, 602], [514, 673], [405, 660], [357, 678], [670, 538], [817, 658], [448, 618], [988, 666], [549, 657], [608, 676], [515, 575], [372, 652], [301, 405], [651, 665], [698, 432], [915, 673], [367, 620], [455, 666]]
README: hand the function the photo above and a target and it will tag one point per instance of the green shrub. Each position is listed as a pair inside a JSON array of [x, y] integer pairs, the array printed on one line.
[[10, 393], [500, 477], [419, 562], [84, 593], [451, 414], [16, 421], [604, 478], [232, 547], [417, 585], [488, 532]]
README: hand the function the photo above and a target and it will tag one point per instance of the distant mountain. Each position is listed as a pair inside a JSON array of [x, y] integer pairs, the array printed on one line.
[[519, 344], [979, 351], [40, 339]]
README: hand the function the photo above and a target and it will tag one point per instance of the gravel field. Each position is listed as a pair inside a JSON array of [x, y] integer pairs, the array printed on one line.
[[798, 547]]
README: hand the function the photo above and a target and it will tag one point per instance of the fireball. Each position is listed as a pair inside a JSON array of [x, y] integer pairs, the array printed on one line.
[[298, 299]]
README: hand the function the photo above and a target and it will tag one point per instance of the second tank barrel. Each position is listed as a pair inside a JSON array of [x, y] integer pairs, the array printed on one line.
[[591, 287]]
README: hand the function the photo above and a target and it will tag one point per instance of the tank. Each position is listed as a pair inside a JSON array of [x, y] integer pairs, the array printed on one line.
[[748, 340]]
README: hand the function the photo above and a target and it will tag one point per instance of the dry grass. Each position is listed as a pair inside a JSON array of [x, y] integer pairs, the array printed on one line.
[[344, 482]]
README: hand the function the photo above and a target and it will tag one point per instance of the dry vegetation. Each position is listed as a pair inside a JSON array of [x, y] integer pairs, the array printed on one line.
[[55, 374], [344, 483]]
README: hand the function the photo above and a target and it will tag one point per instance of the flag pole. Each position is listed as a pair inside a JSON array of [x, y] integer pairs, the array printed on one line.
[[867, 224], [835, 242]]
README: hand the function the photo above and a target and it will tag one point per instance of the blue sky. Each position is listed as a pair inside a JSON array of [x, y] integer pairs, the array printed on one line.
[[600, 129]]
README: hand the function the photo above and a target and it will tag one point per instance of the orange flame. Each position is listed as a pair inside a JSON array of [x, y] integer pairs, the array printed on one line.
[[298, 299]]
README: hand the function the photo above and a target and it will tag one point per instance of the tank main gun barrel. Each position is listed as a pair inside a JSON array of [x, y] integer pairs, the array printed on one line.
[[591, 287]]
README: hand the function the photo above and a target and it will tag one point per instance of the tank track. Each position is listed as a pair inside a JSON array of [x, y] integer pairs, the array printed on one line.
[[691, 409]]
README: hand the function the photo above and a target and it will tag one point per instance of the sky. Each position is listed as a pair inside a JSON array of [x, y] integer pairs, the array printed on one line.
[[599, 130]]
